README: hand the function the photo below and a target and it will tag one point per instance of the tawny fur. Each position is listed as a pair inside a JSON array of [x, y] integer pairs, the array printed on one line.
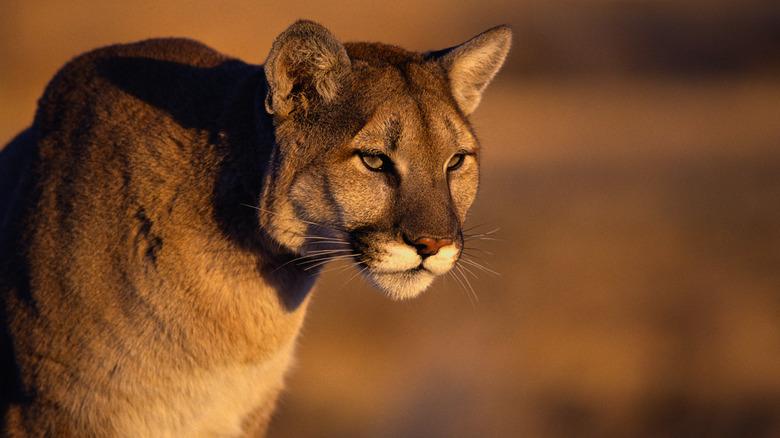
[[165, 217]]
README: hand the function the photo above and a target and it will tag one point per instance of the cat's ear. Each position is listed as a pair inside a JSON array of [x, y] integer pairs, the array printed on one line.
[[307, 66], [472, 65]]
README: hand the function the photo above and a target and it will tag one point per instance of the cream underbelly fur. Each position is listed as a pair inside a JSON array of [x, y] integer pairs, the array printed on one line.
[[209, 404], [164, 219]]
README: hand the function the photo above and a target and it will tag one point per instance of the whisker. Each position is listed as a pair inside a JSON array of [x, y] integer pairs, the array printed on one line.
[[467, 271], [255, 207], [491, 239], [483, 224], [317, 263], [483, 251], [464, 282], [327, 245], [356, 273], [304, 259], [468, 283], [479, 266], [480, 235], [325, 238], [339, 268], [322, 260], [321, 252], [312, 256], [486, 233], [469, 251], [457, 280]]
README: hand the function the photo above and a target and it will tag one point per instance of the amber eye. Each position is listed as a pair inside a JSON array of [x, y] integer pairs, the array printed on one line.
[[455, 162], [377, 163]]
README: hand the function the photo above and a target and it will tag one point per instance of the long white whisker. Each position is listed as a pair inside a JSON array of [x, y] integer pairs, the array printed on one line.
[[493, 231], [357, 272], [313, 255], [458, 280], [468, 271], [483, 251], [311, 258], [287, 217], [484, 224], [325, 238], [468, 261], [482, 236], [464, 282], [338, 268], [492, 239], [321, 252], [317, 263], [304, 259], [468, 283]]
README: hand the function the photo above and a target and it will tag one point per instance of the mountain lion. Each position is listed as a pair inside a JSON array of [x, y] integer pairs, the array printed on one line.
[[164, 219]]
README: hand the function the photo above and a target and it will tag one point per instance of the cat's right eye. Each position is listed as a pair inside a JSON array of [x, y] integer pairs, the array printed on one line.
[[376, 163]]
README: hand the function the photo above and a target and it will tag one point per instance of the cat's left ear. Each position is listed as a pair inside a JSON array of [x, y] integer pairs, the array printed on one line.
[[472, 65]]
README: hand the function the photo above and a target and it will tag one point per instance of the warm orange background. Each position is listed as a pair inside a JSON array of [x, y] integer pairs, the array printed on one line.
[[632, 166]]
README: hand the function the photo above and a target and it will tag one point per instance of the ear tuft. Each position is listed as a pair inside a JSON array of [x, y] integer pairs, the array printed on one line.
[[472, 65], [307, 66]]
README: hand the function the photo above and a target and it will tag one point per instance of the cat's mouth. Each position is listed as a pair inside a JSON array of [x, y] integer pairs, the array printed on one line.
[[402, 278], [366, 268], [397, 268], [401, 284]]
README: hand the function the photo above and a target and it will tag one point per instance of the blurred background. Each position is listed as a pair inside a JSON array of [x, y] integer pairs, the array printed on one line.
[[632, 171]]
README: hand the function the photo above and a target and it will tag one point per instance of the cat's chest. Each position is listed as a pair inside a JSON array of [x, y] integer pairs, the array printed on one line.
[[206, 402]]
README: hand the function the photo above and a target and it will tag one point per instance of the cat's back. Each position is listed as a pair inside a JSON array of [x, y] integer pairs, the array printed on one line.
[[183, 78]]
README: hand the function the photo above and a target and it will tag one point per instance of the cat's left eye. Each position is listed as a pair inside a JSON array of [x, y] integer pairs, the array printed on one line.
[[456, 161]]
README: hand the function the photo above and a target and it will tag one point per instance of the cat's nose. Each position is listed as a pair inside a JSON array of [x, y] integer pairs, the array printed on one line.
[[427, 246]]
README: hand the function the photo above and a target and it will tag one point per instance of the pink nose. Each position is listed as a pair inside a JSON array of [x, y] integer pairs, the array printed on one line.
[[430, 246]]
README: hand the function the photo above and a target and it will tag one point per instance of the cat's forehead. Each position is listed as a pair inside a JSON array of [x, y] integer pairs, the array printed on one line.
[[402, 122], [378, 54], [394, 70], [406, 98]]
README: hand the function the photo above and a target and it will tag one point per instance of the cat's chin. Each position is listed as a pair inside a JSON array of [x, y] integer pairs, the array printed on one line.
[[401, 273], [401, 285]]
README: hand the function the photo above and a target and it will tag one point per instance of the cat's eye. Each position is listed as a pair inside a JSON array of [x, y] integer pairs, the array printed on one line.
[[456, 161], [377, 163]]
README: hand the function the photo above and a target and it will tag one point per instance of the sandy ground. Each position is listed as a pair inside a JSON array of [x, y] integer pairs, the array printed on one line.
[[632, 288]]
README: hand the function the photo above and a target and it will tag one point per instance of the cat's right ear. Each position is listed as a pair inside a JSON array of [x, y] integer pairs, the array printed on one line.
[[307, 66]]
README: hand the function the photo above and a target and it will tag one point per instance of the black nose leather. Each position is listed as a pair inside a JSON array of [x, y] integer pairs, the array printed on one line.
[[429, 246]]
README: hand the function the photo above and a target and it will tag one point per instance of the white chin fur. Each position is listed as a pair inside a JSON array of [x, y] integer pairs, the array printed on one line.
[[396, 273], [401, 285]]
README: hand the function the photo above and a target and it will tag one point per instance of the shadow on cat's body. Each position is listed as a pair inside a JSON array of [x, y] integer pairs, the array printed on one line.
[[210, 146]]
